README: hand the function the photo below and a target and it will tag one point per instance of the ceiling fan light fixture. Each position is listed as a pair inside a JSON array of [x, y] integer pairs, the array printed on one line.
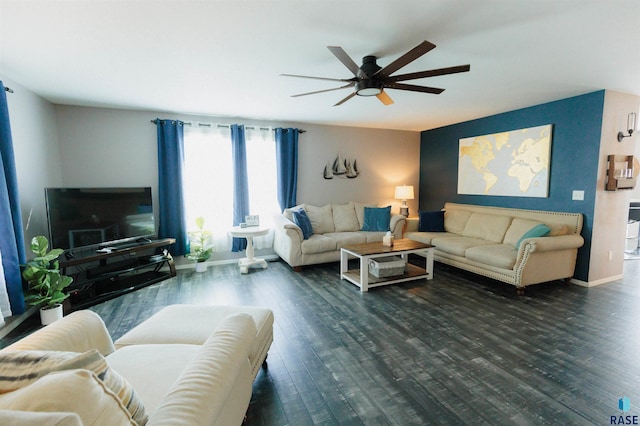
[[368, 87]]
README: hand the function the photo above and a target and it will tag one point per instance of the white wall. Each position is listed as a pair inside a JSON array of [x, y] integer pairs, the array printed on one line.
[[611, 207], [37, 154], [108, 147]]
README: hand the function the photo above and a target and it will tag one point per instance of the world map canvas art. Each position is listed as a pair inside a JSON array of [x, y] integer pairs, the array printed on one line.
[[514, 163]]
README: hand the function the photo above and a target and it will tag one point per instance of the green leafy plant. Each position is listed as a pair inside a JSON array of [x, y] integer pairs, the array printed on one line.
[[201, 247], [45, 282]]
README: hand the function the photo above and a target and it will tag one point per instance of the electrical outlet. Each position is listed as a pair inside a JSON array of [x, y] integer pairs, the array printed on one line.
[[610, 255], [577, 195]]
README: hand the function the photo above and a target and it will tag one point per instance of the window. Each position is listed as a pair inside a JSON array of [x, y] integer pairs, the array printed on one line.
[[208, 180]]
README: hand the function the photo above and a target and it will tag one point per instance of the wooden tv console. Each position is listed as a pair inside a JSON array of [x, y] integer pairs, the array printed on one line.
[[105, 274]]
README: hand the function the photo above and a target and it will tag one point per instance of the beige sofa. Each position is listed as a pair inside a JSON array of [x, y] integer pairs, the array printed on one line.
[[483, 240], [205, 382], [334, 225]]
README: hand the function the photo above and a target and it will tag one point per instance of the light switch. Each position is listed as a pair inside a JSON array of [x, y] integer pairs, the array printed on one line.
[[577, 195]]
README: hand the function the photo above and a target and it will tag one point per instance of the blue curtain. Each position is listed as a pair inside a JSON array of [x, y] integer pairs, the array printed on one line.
[[287, 166], [240, 182], [171, 212], [11, 234]]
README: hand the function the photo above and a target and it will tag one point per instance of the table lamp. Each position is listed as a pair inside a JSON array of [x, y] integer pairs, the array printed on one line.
[[404, 193]]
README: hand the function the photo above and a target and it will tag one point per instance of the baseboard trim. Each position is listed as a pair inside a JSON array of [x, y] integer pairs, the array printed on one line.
[[596, 282]]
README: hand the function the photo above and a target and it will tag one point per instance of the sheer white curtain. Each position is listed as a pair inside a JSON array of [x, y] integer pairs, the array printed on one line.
[[208, 180], [5, 307]]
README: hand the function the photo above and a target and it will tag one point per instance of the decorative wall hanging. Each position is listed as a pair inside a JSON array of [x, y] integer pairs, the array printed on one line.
[[341, 168], [514, 164]]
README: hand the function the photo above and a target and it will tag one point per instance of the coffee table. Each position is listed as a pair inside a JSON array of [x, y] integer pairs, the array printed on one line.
[[368, 251]]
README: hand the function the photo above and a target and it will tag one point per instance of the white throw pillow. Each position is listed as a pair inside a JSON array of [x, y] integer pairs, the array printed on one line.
[[344, 217], [321, 218]]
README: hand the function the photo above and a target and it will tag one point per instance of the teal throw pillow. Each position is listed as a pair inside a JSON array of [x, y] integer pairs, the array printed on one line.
[[541, 230], [301, 219], [376, 218]]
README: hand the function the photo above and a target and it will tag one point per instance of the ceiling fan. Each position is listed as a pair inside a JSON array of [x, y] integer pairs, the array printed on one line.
[[370, 79]]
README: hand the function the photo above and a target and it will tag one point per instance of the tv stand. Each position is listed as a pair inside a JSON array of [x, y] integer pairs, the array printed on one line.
[[100, 276]]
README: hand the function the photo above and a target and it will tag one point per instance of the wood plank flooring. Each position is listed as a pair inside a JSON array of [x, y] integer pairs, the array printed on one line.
[[458, 349]]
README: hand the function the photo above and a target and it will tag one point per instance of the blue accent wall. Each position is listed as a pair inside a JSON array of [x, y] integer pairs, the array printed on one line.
[[575, 147]]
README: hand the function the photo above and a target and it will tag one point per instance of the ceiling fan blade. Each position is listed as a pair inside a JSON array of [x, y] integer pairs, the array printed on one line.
[[325, 90], [414, 88], [430, 73], [405, 59], [384, 98], [347, 61], [346, 99], [318, 78]]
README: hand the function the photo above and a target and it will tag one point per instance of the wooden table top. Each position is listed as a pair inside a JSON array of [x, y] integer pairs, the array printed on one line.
[[366, 249]]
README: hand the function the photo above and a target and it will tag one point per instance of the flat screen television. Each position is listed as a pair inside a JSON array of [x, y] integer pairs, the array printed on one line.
[[79, 217]]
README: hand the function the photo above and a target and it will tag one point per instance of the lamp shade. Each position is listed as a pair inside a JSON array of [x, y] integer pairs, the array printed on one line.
[[404, 192]]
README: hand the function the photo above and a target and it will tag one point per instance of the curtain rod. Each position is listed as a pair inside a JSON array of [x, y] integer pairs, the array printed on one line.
[[8, 89], [225, 126]]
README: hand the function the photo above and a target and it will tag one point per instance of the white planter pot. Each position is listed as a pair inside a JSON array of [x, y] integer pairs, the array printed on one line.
[[201, 266], [48, 316]]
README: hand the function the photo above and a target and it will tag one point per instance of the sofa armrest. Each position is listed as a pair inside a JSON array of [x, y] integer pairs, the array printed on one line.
[[561, 242], [396, 225], [79, 331], [284, 225], [412, 224], [287, 240], [215, 387]]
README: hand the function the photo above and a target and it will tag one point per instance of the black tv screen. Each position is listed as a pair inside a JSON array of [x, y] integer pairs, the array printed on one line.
[[81, 217]]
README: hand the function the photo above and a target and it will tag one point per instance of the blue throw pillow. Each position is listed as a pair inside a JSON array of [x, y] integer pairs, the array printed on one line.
[[541, 230], [431, 221], [376, 218], [301, 219]]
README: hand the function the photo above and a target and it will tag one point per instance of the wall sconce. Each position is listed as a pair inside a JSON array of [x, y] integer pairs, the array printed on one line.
[[631, 126], [404, 193]]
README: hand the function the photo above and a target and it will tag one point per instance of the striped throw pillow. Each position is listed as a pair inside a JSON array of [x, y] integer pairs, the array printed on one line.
[[21, 368]]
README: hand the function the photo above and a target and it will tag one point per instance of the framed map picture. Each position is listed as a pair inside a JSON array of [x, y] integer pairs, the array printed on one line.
[[513, 164]]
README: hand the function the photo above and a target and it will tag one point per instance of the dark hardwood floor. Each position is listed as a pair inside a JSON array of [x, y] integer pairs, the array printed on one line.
[[458, 349]]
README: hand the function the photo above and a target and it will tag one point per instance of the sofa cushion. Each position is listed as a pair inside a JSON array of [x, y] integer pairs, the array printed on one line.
[[34, 418], [152, 369], [498, 255], [455, 220], [427, 237], [344, 218], [318, 243], [301, 219], [541, 230], [489, 227], [517, 229], [21, 368], [344, 238], [376, 218], [359, 207], [71, 391], [431, 221], [457, 245], [321, 218]]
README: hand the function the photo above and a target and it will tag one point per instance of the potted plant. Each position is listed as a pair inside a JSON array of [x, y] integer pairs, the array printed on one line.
[[201, 247], [45, 283]]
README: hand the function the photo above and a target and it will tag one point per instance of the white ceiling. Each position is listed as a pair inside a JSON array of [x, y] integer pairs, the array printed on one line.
[[224, 58]]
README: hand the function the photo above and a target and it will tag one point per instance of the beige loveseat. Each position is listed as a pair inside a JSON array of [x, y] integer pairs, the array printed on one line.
[[483, 240], [334, 225], [207, 382]]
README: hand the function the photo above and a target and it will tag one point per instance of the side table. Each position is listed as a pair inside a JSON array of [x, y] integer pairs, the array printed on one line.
[[249, 232]]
